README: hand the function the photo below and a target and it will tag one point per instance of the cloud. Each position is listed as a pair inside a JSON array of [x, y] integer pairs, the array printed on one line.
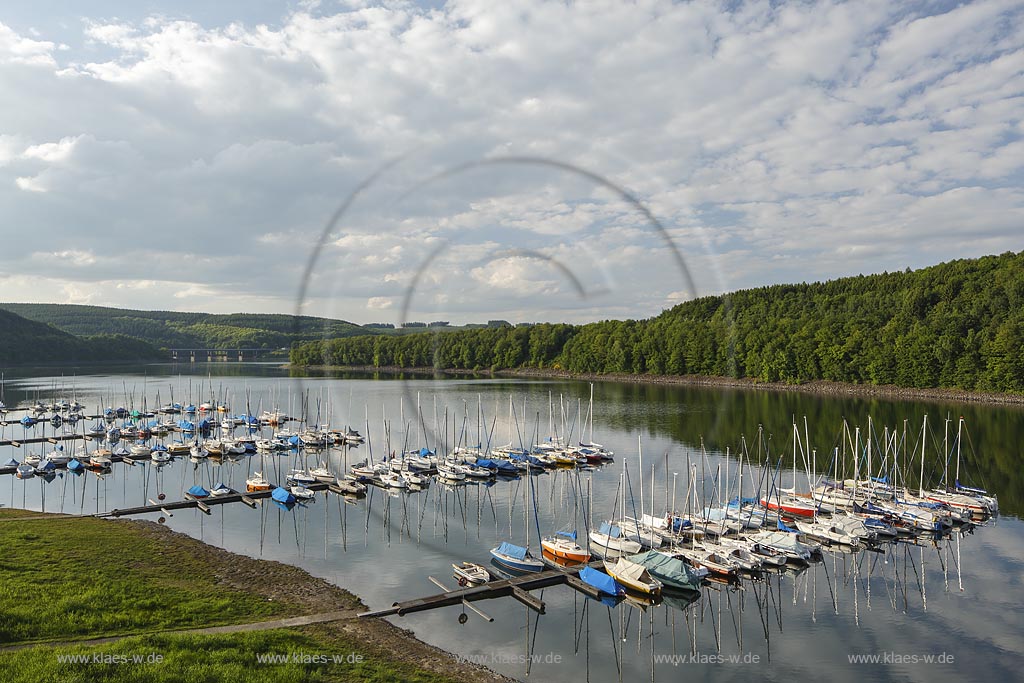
[[379, 303], [774, 144]]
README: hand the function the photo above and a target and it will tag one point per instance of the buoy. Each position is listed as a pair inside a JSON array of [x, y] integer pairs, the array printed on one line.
[[463, 618], [161, 520], [161, 496]]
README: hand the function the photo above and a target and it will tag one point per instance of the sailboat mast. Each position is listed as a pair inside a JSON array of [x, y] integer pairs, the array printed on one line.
[[590, 412], [945, 453], [640, 453], [959, 427], [856, 460], [924, 434], [870, 472]]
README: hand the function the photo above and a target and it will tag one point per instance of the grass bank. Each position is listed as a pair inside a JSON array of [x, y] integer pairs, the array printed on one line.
[[138, 585]]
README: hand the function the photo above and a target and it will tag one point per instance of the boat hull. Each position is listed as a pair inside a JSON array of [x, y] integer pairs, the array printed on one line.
[[527, 564], [561, 552], [790, 508]]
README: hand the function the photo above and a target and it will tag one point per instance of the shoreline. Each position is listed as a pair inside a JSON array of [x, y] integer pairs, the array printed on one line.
[[294, 583], [295, 592], [817, 387]]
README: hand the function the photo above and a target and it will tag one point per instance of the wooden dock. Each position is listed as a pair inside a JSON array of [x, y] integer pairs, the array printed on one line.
[[17, 443], [518, 587], [249, 499]]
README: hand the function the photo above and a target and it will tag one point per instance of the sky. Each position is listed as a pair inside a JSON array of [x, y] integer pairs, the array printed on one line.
[[472, 160]]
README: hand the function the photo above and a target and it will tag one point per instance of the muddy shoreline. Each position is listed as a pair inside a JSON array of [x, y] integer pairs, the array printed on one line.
[[818, 387], [293, 585]]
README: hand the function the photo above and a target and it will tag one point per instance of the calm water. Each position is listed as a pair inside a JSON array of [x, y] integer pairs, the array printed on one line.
[[956, 599]]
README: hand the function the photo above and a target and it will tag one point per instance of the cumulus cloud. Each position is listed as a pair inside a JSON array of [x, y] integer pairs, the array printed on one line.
[[773, 144]]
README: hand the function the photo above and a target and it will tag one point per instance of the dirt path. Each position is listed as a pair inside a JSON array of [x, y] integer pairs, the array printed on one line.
[[306, 620]]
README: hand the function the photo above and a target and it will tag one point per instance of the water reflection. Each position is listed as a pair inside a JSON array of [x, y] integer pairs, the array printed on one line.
[[956, 594]]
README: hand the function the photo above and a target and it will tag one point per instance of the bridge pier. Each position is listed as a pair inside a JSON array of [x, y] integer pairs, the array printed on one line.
[[212, 355]]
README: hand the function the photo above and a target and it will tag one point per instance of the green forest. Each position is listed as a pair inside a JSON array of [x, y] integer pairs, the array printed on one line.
[[172, 329], [955, 325], [25, 341]]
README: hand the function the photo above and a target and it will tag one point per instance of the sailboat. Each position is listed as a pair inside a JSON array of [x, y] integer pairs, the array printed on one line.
[[633, 576], [517, 557], [601, 581], [257, 483], [670, 570], [563, 546], [221, 489], [197, 491]]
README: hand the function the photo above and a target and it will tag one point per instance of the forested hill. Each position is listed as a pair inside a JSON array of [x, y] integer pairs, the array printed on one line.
[[25, 341], [171, 329], [957, 325]]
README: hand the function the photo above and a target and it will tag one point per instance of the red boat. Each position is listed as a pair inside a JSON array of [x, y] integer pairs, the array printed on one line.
[[790, 505]]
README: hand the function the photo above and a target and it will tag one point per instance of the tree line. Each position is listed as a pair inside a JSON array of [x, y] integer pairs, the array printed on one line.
[[174, 329], [957, 325]]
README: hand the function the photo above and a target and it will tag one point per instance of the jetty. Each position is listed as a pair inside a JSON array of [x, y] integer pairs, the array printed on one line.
[[518, 587]]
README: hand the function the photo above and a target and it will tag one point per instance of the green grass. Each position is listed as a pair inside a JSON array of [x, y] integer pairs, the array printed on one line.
[[64, 579], [71, 578], [228, 657]]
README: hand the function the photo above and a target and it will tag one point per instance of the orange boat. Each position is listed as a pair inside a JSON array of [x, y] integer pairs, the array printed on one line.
[[563, 546], [257, 483]]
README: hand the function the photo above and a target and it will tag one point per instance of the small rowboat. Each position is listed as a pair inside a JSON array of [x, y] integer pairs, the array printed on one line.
[[471, 573]]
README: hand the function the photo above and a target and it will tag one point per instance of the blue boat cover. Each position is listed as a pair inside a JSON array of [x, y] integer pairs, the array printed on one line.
[[511, 550], [500, 465], [282, 495], [783, 527], [567, 534], [678, 523], [600, 581], [74, 465], [198, 491], [12, 463], [424, 452], [610, 530]]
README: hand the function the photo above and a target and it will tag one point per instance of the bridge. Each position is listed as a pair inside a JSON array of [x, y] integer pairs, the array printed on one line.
[[213, 355]]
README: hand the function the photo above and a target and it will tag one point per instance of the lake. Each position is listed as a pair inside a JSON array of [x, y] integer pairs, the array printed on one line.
[[936, 610]]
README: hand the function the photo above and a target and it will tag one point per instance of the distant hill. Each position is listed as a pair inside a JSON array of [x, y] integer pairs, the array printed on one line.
[[954, 325], [24, 341], [172, 329]]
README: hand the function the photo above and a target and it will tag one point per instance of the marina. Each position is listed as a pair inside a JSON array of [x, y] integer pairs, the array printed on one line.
[[425, 531]]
